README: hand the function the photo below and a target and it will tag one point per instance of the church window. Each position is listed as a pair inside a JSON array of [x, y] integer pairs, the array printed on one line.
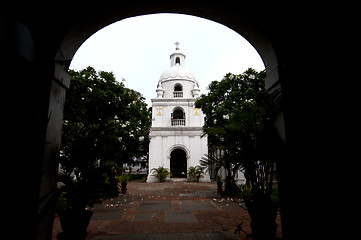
[[178, 87], [178, 91], [177, 60], [178, 117]]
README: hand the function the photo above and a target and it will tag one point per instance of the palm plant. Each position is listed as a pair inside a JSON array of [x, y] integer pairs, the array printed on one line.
[[212, 164], [161, 173], [195, 173]]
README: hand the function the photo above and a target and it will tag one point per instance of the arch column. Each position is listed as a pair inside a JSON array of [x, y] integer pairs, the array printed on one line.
[[48, 184]]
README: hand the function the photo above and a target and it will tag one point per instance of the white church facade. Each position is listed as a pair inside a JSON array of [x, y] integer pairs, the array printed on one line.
[[176, 131]]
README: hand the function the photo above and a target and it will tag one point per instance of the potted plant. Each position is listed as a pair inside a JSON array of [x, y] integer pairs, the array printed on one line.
[[75, 200], [263, 213], [195, 173], [245, 192], [73, 221], [123, 179], [161, 173]]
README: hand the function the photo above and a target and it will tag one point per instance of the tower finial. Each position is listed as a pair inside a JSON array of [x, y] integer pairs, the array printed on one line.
[[177, 45]]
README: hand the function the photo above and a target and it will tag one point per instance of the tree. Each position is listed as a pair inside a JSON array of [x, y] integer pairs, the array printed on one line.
[[234, 109], [105, 125], [239, 117]]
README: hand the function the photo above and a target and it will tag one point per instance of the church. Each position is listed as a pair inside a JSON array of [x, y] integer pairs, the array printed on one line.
[[176, 132]]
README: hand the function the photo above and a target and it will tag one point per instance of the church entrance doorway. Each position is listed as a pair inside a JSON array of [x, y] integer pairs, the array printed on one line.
[[178, 163]]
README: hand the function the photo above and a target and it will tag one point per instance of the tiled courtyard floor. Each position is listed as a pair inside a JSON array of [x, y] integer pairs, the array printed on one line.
[[170, 210]]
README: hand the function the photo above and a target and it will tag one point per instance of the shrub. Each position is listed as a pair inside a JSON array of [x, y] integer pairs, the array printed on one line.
[[144, 178], [161, 173], [195, 173], [124, 178], [245, 192]]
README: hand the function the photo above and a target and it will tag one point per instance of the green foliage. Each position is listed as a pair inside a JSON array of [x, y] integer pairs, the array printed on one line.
[[144, 178], [218, 179], [61, 204], [161, 173], [245, 192], [239, 115], [124, 178], [275, 196], [235, 97], [104, 125], [138, 176], [195, 173], [213, 163]]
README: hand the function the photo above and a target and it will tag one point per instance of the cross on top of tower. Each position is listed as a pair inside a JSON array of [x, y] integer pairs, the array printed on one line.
[[177, 45]]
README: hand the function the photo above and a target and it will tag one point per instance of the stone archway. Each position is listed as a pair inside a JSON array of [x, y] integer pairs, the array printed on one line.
[[290, 44], [87, 26], [80, 29], [178, 163]]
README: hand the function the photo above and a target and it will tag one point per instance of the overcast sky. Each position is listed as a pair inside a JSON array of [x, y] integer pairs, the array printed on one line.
[[137, 49]]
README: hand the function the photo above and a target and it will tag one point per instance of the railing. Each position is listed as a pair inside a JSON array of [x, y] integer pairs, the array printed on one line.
[[178, 94], [178, 122]]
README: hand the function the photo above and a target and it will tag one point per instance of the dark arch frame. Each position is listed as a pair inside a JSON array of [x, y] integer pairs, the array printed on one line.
[[94, 20], [240, 23], [291, 41]]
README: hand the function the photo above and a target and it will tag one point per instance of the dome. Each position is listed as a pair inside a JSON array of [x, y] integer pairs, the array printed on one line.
[[177, 81], [177, 72]]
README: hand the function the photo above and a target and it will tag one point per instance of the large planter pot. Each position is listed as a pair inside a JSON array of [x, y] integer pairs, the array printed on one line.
[[74, 224], [263, 219], [124, 187], [219, 187]]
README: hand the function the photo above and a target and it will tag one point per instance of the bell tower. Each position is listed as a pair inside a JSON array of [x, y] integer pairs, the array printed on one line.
[[176, 131]]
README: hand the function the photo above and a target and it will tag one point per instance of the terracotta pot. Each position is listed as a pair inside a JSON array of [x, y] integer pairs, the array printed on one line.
[[124, 187], [219, 187], [74, 224], [263, 219]]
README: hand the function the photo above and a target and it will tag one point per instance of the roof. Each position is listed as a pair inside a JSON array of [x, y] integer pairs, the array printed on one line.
[[177, 72]]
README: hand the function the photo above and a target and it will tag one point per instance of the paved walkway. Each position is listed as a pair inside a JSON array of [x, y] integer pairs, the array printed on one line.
[[171, 210]]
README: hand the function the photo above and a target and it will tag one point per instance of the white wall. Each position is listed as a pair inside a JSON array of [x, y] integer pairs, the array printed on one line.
[[166, 108], [163, 142], [168, 87]]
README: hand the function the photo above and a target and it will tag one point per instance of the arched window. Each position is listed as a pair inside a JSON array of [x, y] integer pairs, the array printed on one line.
[[178, 91], [178, 117], [177, 60]]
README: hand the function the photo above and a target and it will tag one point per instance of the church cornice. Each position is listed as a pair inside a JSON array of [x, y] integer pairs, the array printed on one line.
[[173, 101], [158, 100], [196, 130], [170, 79]]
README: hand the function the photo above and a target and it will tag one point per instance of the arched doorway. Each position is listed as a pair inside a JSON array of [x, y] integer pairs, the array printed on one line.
[[178, 163]]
